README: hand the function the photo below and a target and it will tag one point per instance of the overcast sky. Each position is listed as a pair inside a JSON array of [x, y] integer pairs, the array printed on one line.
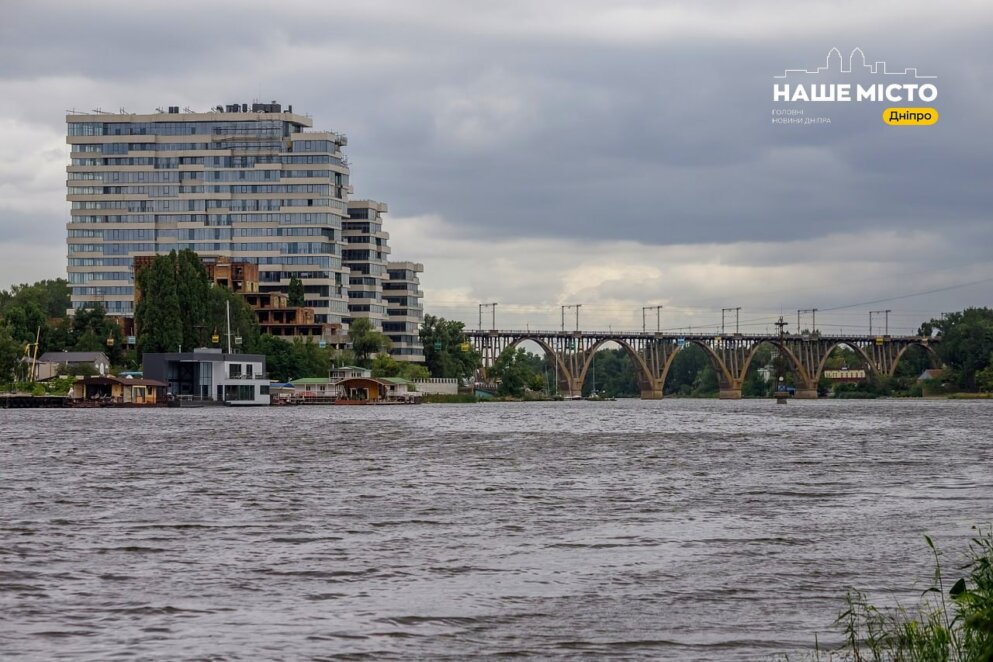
[[539, 153]]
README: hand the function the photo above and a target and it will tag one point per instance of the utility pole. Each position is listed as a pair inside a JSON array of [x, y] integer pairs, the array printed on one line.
[[887, 312], [880, 312], [492, 307], [781, 325], [780, 385], [813, 318], [658, 318], [576, 306], [736, 319]]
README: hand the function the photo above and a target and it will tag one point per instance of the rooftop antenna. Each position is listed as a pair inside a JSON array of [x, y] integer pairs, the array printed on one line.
[[187, 109], [159, 109], [98, 111]]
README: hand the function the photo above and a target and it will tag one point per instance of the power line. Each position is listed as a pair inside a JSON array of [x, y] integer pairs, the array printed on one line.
[[908, 296]]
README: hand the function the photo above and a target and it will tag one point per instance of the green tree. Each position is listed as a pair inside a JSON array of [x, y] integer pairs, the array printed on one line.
[[42, 305], [58, 337], [366, 341], [689, 366], [517, 370], [984, 378], [385, 365], [296, 295], [10, 355], [612, 372], [244, 323], [179, 307], [25, 319], [287, 360], [50, 296], [193, 290], [966, 343], [755, 385], [311, 360], [158, 315], [705, 384], [280, 359], [93, 331], [443, 341]]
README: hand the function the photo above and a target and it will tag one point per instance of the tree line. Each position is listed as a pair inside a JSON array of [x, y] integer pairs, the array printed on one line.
[[181, 308]]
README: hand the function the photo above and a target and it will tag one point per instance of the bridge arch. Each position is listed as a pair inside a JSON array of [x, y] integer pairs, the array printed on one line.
[[870, 364], [647, 378], [724, 378], [795, 362], [933, 357], [559, 363]]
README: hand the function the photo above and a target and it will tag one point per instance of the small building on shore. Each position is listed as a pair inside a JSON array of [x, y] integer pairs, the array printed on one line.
[[375, 389], [110, 390], [50, 364], [209, 375], [348, 372], [437, 385], [314, 387]]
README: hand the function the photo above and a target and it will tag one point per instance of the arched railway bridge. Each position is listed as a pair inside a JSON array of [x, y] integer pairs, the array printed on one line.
[[731, 354]]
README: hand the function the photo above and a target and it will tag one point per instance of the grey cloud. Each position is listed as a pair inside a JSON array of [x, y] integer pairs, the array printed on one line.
[[643, 120]]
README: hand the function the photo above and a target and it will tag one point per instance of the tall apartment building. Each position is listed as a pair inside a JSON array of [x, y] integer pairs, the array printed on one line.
[[251, 183], [404, 310], [365, 254]]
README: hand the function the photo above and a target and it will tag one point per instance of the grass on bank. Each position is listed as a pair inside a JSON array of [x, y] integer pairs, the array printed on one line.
[[949, 624]]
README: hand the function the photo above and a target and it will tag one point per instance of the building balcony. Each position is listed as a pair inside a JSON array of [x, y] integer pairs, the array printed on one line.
[[249, 378]]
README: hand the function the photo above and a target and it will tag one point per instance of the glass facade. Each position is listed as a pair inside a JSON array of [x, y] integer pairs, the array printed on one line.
[[365, 253], [404, 311], [259, 187]]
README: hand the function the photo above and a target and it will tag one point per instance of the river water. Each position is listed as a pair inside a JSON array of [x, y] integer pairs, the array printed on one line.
[[674, 529]]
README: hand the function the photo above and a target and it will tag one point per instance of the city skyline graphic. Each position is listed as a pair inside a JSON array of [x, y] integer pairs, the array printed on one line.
[[835, 63]]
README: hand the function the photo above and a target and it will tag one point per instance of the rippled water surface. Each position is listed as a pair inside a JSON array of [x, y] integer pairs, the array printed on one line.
[[672, 529]]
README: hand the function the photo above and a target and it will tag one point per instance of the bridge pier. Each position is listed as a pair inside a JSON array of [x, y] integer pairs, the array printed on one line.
[[651, 393], [806, 393], [730, 394], [575, 387]]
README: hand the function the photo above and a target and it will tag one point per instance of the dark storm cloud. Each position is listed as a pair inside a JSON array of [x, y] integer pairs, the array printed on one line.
[[537, 124]]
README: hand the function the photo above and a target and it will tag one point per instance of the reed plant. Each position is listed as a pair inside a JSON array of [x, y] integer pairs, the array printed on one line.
[[953, 624]]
